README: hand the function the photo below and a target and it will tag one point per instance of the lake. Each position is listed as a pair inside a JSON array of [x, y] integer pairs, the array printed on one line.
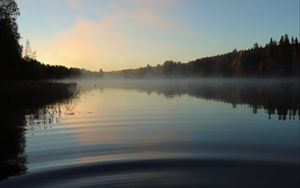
[[159, 133]]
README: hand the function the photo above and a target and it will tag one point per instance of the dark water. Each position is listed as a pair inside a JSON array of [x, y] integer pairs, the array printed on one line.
[[160, 134]]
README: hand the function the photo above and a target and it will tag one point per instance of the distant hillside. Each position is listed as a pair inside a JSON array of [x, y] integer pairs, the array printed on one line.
[[275, 59]]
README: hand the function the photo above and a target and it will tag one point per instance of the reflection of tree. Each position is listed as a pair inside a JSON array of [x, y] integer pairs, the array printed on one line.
[[12, 144], [280, 97], [45, 117], [16, 100], [275, 98]]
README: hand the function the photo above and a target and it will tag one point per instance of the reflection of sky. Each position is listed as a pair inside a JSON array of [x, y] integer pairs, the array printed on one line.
[[116, 124], [131, 33]]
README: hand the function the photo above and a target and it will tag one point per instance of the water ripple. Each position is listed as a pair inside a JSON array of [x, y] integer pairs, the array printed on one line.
[[185, 172]]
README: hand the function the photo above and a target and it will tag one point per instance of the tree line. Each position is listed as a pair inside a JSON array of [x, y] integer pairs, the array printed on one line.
[[13, 65], [275, 59]]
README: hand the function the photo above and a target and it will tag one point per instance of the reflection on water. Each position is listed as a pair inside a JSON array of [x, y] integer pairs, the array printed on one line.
[[12, 144], [48, 115], [17, 100], [159, 134], [276, 97]]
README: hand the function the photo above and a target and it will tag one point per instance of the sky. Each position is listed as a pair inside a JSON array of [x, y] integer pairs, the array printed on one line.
[[123, 34]]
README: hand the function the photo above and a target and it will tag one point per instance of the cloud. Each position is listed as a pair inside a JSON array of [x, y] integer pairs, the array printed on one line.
[[75, 4], [127, 38]]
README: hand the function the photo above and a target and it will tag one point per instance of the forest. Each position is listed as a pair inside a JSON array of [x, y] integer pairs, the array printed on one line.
[[275, 59]]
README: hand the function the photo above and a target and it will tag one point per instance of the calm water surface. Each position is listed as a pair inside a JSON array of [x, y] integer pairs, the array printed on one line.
[[165, 135]]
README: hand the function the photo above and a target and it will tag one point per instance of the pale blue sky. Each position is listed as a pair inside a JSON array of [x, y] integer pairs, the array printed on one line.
[[118, 34]]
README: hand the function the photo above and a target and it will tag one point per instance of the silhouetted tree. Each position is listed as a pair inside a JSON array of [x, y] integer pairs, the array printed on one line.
[[255, 46], [296, 41], [281, 41], [28, 53], [10, 49], [286, 39], [292, 40]]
